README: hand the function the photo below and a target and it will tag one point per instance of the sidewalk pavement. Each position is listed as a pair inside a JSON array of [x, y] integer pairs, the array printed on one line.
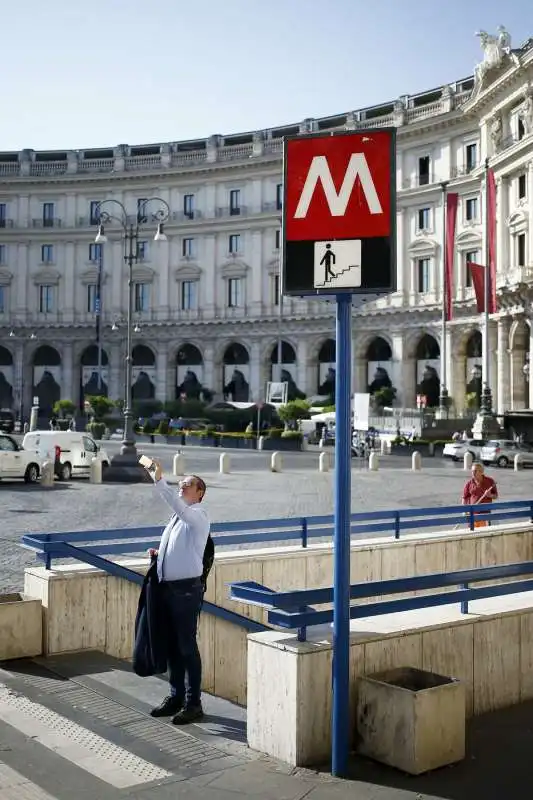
[[78, 726]]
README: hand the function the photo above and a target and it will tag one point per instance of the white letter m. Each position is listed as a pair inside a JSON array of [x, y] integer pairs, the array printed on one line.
[[319, 171]]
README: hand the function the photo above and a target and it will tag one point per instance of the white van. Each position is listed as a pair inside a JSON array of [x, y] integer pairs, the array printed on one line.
[[71, 451]]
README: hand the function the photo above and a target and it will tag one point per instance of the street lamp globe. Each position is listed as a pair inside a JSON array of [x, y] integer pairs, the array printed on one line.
[[100, 237]]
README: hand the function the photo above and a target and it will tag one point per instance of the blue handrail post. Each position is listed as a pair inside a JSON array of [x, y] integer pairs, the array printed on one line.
[[396, 524], [304, 531], [464, 604], [341, 590]]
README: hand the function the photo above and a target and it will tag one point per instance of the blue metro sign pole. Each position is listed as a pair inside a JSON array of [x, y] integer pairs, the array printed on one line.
[[339, 222], [340, 727]]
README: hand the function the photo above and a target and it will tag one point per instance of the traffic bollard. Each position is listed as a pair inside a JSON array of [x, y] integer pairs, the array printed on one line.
[[276, 462], [467, 462], [47, 474], [224, 463], [96, 471], [178, 464], [373, 462], [323, 462], [518, 462], [416, 461]]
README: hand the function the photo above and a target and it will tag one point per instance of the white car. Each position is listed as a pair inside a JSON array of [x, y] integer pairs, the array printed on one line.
[[71, 451], [457, 450], [17, 461]]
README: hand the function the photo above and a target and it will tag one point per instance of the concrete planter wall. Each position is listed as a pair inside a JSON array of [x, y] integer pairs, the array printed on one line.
[[282, 444], [21, 627], [411, 719]]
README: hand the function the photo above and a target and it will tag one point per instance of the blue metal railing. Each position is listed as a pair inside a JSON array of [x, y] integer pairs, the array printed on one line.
[[123, 541], [293, 610]]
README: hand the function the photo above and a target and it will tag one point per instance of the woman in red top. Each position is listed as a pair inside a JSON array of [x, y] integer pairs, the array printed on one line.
[[480, 489]]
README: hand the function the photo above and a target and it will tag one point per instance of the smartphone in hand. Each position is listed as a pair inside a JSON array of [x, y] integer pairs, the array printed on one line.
[[147, 463]]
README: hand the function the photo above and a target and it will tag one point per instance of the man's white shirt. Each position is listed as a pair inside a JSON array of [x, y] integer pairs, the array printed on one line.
[[182, 546]]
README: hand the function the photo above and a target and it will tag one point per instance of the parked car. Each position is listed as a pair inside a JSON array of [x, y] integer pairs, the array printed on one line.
[[71, 451], [502, 452], [17, 461], [7, 421], [457, 450]]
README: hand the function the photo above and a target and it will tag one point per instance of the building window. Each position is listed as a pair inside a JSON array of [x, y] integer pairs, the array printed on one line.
[[189, 295], [471, 209], [46, 299], [3, 214], [235, 202], [423, 275], [522, 187], [95, 251], [141, 213], [3, 254], [471, 157], [188, 205], [141, 297], [47, 253], [3, 303], [423, 171], [48, 215], [277, 244], [275, 290], [234, 292], [142, 251], [423, 219], [235, 243], [521, 129], [471, 257], [521, 250], [188, 248], [91, 298], [94, 212], [279, 196]]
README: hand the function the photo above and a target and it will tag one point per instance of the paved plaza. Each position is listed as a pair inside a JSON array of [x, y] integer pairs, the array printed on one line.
[[250, 491]]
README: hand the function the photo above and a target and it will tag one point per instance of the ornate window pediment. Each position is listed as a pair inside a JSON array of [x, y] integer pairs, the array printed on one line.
[[234, 269], [468, 240], [422, 247], [46, 277], [517, 221], [143, 274], [90, 276], [188, 272], [5, 277]]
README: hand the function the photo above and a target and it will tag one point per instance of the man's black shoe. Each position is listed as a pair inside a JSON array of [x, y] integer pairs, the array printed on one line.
[[187, 715], [168, 707]]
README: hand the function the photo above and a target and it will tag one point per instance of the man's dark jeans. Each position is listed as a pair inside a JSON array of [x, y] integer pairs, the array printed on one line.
[[182, 602]]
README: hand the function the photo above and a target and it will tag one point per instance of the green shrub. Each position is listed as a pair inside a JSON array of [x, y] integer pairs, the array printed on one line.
[[96, 429], [296, 435], [163, 427]]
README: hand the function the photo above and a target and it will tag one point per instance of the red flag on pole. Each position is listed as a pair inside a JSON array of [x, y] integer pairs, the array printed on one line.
[[452, 201], [491, 233], [478, 272]]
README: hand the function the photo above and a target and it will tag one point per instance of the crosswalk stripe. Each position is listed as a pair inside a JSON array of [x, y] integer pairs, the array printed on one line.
[[14, 786], [80, 746]]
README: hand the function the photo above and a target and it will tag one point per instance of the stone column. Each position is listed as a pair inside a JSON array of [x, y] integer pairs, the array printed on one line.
[[211, 380], [518, 380], [302, 356], [68, 306], [256, 389], [402, 267], [161, 362], [502, 232], [67, 377], [254, 292], [502, 392], [209, 278], [529, 254], [161, 252], [360, 376], [530, 376], [116, 370]]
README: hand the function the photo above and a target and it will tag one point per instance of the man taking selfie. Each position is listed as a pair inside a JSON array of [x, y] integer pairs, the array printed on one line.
[[179, 569]]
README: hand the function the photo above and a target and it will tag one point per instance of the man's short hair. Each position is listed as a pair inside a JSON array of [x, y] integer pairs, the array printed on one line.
[[200, 484], [478, 465]]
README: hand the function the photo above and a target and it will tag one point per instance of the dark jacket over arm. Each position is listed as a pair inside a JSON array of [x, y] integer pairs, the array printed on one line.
[[150, 650]]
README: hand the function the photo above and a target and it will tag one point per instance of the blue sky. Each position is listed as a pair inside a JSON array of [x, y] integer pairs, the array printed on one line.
[[130, 71]]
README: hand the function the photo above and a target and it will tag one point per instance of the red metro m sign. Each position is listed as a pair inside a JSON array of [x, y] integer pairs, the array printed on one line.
[[339, 213]]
